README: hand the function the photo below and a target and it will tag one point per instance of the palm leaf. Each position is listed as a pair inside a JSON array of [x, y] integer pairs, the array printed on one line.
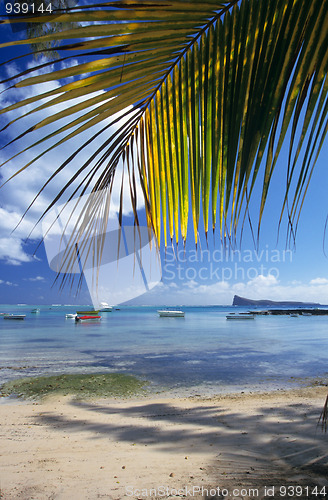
[[214, 89]]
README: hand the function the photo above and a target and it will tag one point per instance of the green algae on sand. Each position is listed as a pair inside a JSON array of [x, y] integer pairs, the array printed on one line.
[[79, 385]]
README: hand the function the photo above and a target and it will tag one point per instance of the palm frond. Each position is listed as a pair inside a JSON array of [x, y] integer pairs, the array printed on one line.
[[214, 89], [323, 418]]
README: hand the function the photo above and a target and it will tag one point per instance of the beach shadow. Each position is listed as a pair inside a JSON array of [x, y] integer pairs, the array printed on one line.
[[161, 424], [276, 447]]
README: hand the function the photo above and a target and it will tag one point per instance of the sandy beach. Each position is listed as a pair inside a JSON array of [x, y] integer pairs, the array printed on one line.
[[232, 446]]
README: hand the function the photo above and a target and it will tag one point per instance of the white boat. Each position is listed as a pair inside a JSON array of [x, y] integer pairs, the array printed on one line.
[[70, 316], [240, 316], [167, 313], [104, 307], [14, 316], [35, 311]]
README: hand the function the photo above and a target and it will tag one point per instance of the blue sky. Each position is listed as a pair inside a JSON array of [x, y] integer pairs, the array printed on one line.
[[202, 277]]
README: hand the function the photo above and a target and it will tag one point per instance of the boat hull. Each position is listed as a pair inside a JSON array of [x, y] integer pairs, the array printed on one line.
[[241, 317], [87, 313], [87, 318], [14, 316], [171, 314]]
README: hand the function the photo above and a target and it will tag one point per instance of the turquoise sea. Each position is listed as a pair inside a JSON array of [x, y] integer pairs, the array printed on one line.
[[202, 353]]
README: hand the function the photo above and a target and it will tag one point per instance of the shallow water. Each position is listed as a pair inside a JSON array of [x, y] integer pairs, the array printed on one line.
[[201, 353]]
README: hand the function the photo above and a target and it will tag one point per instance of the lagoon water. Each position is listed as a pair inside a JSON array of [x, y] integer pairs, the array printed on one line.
[[202, 353]]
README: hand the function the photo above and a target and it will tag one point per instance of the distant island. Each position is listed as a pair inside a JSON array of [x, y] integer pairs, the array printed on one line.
[[242, 301]]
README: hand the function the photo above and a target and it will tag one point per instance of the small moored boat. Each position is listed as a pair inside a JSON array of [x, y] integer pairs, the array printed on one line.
[[87, 318], [35, 311], [104, 307], [70, 316], [240, 316], [14, 316], [87, 313], [167, 313]]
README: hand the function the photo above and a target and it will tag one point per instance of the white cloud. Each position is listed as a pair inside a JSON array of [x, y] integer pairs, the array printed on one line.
[[295, 282], [37, 278], [222, 292], [191, 284], [262, 282], [12, 251], [19, 192], [8, 283], [319, 281]]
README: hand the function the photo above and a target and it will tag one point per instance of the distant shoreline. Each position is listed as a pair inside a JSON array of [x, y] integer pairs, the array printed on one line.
[[243, 301]]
